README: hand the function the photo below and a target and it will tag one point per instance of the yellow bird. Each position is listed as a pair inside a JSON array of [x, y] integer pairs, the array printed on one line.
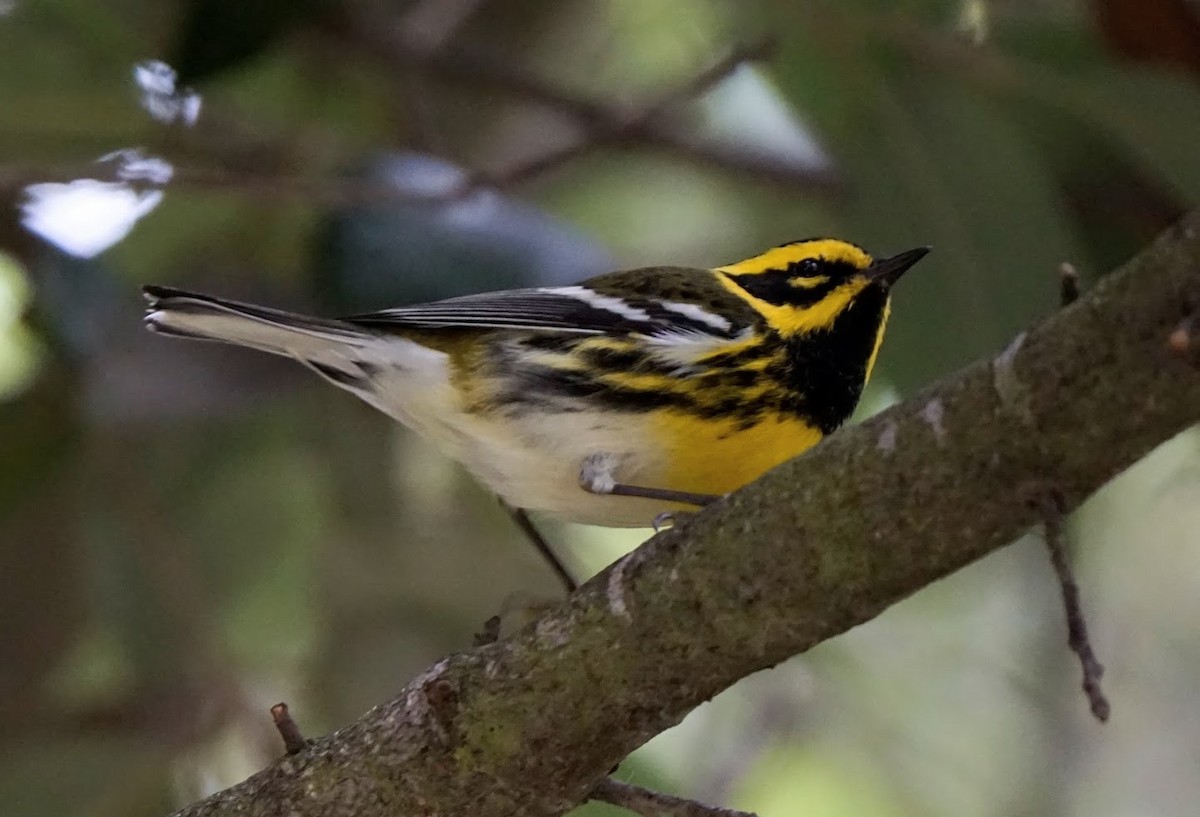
[[611, 401]]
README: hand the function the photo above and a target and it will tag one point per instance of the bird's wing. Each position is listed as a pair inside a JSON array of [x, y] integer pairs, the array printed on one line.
[[664, 309]]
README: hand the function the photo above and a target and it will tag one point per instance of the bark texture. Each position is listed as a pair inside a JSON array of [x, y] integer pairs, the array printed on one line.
[[529, 725]]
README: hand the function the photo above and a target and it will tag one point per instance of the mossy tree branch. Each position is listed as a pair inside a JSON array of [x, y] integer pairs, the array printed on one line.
[[529, 725]]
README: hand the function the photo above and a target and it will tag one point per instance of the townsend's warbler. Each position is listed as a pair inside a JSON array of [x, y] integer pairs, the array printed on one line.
[[659, 383]]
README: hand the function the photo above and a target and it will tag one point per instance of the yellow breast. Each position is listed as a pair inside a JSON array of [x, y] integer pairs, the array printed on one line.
[[712, 457]]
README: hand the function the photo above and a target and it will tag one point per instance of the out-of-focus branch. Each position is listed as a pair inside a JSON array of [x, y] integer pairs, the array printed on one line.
[[643, 126], [435, 22], [656, 804], [528, 726], [601, 123]]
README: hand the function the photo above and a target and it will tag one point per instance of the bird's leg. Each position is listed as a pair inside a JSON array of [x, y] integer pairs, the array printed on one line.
[[523, 608], [596, 476], [543, 547]]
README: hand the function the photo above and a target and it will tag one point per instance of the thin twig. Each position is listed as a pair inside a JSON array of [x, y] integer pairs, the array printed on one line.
[[490, 633], [656, 804], [1180, 339], [1068, 283], [1077, 636], [293, 741], [1050, 503]]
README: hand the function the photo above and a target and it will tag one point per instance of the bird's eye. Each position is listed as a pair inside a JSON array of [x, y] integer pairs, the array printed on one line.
[[808, 268]]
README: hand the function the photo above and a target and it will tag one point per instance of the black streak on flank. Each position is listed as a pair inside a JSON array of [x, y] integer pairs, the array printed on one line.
[[605, 359]]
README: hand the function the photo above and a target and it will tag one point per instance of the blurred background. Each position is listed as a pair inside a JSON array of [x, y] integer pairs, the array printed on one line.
[[190, 533]]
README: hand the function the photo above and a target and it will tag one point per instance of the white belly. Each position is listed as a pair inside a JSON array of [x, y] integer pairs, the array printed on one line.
[[531, 461], [538, 466]]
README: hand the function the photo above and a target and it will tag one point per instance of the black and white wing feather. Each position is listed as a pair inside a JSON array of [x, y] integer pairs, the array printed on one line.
[[577, 310], [677, 314]]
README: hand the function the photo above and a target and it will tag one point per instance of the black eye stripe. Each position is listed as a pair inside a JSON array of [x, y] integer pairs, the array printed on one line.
[[776, 288]]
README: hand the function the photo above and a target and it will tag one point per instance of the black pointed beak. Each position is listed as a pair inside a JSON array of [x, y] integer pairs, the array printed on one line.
[[887, 271]]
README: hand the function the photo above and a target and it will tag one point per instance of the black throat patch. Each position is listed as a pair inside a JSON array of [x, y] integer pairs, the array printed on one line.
[[826, 370]]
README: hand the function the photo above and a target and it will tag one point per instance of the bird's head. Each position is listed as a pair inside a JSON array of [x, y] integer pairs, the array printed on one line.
[[804, 286]]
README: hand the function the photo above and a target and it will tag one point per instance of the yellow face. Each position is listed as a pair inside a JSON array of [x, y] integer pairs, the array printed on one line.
[[803, 286]]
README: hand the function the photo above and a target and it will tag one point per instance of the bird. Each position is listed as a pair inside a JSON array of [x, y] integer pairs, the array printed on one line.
[[614, 401]]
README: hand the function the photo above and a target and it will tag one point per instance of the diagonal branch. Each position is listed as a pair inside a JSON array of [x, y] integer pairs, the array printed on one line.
[[600, 122], [529, 725]]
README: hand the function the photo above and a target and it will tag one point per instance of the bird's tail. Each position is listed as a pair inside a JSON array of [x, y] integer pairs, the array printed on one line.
[[204, 317], [329, 346]]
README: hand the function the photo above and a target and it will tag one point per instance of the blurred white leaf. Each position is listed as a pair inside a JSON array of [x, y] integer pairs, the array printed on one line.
[[160, 96], [86, 216], [135, 166]]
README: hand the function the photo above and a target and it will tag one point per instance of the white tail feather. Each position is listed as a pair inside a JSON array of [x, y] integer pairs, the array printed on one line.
[[203, 317]]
